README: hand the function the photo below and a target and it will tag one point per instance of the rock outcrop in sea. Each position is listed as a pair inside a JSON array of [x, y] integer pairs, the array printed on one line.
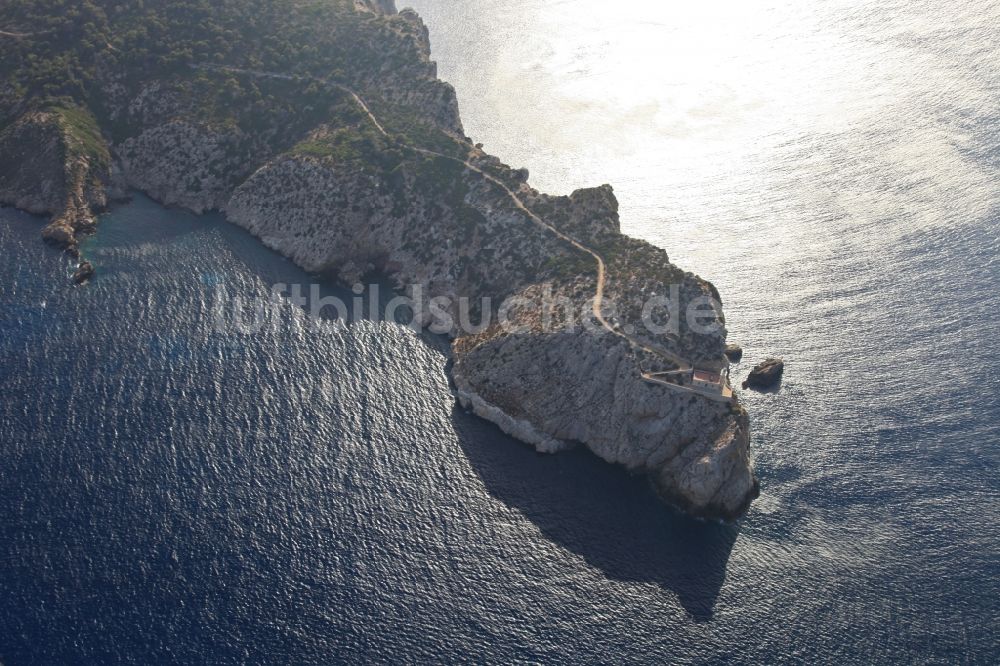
[[83, 272], [295, 158], [766, 375]]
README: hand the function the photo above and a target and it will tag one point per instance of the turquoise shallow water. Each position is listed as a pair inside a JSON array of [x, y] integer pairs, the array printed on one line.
[[311, 495]]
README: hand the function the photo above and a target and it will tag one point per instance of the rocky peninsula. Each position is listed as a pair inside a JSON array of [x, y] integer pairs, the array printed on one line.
[[322, 128]]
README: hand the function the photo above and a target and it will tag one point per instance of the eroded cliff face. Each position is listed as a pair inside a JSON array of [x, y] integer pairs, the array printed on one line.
[[423, 223], [325, 190], [554, 389], [181, 163], [556, 383], [552, 386]]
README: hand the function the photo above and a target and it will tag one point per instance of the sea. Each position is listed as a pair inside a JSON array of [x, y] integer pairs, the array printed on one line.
[[173, 490]]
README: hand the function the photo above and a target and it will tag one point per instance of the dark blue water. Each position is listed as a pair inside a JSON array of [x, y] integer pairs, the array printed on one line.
[[172, 493], [175, 493]]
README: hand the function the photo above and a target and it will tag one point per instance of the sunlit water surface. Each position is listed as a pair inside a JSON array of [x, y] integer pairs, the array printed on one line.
[[310, 494]]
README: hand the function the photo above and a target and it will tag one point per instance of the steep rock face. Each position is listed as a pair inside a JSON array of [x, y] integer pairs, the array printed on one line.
[[328, 216], [155, 103], [552, 388], [548, 387], [184, 164], [712, 476], [317, 216]]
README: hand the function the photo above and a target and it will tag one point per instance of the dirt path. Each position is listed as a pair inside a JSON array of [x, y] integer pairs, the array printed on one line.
[[684, 366], [19, 35]]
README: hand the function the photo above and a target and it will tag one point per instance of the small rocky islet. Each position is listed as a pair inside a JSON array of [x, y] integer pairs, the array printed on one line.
[[766, 375], [274, 134]]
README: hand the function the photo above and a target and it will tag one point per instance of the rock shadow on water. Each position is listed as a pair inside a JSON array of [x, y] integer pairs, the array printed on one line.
[[609, 517]]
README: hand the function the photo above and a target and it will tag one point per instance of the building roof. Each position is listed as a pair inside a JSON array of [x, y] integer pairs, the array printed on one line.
[[706, 376]]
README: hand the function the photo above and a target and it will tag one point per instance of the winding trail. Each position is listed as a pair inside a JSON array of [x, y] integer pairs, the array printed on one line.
[[684, 366], [20, 35]]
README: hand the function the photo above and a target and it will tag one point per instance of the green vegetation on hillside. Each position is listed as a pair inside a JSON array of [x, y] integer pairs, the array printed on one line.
[[350, 139], [71, 40], [77, 51], [411, 129], [84, 134]]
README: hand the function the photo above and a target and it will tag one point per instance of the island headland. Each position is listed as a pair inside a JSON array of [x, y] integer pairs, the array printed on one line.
[[322, 128]]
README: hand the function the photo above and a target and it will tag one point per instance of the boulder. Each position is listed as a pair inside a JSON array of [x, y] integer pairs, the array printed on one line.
[[766, 375], [734, 353], [84, 272]]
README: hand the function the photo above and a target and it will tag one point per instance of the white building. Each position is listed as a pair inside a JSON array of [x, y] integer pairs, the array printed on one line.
[[710, 382]]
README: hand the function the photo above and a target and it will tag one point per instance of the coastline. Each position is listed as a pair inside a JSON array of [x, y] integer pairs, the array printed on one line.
[[369, 214]]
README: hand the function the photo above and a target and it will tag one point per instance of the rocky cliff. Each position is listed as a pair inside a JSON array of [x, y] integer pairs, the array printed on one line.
[[55, 163], [287, 151], [556, 388]]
